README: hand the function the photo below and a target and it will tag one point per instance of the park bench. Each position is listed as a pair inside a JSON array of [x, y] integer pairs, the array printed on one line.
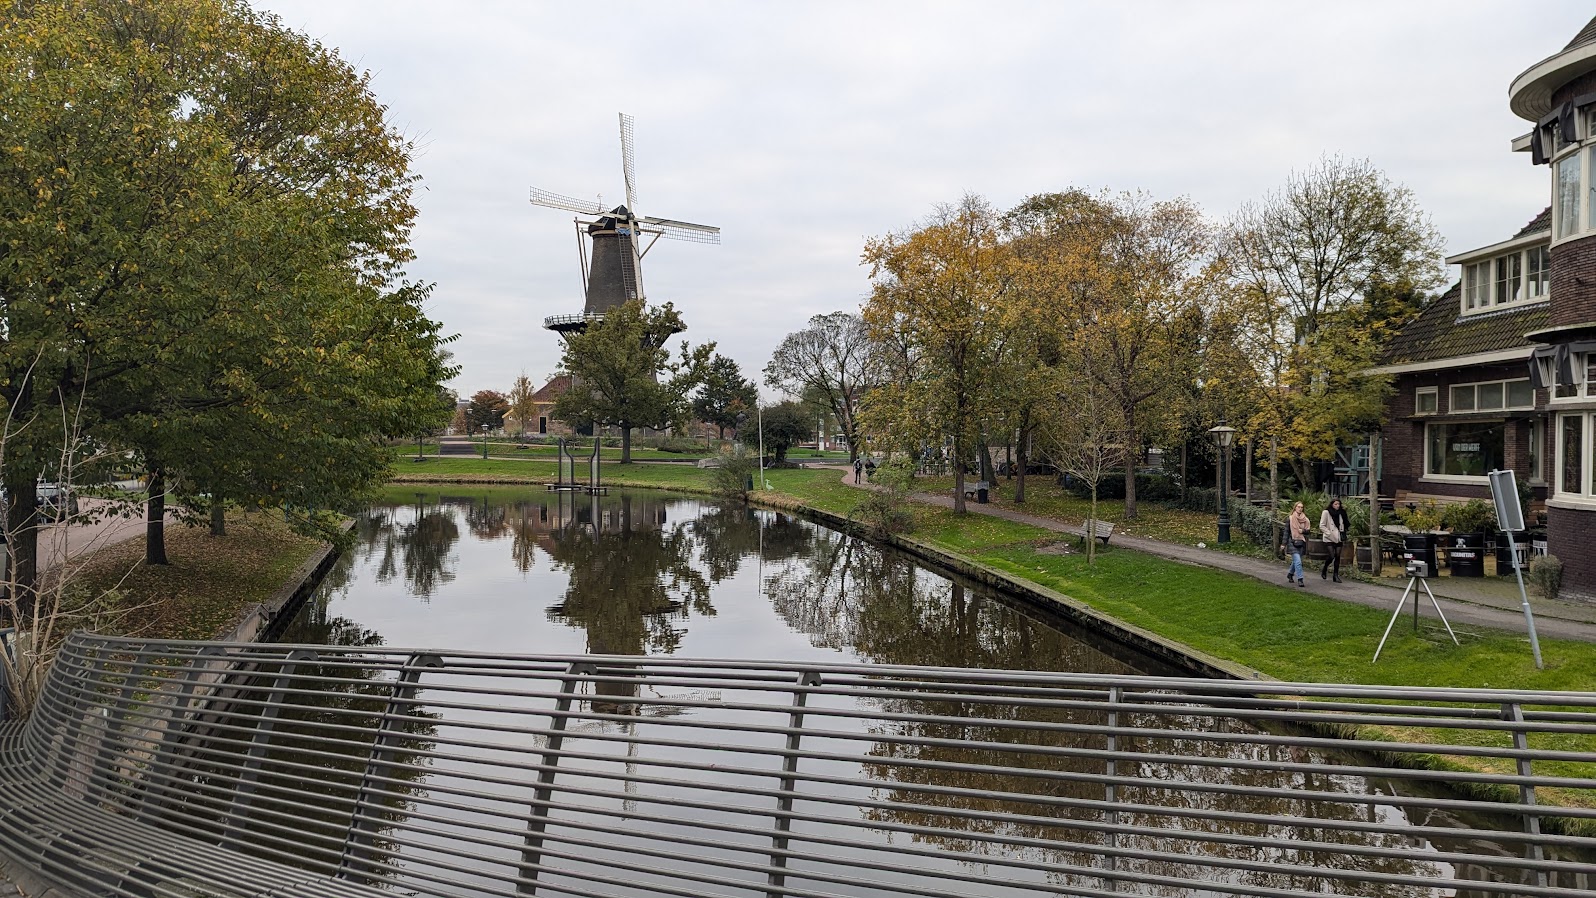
[[324, 771], [1101, 530]]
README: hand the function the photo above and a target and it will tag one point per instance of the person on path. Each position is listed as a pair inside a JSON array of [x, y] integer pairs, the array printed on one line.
[[1333, 525], [858, 470], [1298, 534]]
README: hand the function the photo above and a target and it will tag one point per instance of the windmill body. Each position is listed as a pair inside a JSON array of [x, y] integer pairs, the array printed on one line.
[[611, 244]]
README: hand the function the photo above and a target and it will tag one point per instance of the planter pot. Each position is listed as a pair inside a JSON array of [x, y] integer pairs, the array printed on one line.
[[1363, 558], [1466, 554], [1318, 549]]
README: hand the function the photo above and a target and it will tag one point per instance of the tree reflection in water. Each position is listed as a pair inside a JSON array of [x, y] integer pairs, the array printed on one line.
[[420, 546], [848, 594], [314, 729]]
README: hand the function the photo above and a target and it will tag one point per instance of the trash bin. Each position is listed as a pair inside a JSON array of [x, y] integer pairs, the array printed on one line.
[[980, 496], [1420, 547], [1504, 555], [1466, 555]]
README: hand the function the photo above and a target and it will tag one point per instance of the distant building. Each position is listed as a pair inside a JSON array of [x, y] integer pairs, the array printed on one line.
[[543, 421]]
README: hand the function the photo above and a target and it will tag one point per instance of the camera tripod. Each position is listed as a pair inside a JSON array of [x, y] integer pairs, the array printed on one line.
[[1414, 579]]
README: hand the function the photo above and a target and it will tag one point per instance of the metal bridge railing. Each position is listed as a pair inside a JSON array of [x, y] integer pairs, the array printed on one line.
[[467, 774]]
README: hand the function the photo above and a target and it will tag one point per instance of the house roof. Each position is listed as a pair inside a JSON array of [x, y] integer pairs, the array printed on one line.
[[1541, 222], [554, 389], [1586, 35], [1440, 332]]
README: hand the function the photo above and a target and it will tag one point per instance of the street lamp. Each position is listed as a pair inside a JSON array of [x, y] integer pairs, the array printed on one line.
[[1224, 435], [485, 441]]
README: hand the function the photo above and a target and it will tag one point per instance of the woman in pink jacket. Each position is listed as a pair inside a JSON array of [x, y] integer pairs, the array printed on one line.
[[1297, 525]]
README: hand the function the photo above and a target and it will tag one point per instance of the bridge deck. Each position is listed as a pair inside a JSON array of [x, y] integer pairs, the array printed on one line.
[[248, 769]]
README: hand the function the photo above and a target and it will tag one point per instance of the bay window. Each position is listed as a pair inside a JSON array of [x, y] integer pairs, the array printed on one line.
[[1519, 276]]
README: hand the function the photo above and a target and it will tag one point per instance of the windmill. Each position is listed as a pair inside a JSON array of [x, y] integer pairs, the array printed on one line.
[[611, 243]]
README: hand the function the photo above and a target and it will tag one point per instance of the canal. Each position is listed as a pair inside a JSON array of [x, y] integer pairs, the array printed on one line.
[[521, 570]]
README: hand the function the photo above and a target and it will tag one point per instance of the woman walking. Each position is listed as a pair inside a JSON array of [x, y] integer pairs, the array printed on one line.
[[1298, 532], [1333, 526]]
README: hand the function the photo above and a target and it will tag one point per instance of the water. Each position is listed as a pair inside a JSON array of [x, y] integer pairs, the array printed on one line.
[[524, 571]]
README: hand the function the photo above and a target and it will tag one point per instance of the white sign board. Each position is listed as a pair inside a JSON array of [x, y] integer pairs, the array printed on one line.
[[1504, 490]]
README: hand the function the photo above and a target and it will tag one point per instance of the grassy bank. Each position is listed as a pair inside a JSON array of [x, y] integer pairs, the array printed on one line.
[[210, 580]]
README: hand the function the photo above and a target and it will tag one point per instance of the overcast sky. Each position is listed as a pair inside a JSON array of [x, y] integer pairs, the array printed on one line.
[[803, 128]]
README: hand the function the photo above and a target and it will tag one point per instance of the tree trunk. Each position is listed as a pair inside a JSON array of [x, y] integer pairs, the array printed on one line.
[[1375, 567], [1183, 445], [1274, 495], [1132, 456], [155, 521], [626, 444], [1022, 455], [22, 530], [958, 482], [1091, 529], [722, 432], [1246, 481], [218, 517]]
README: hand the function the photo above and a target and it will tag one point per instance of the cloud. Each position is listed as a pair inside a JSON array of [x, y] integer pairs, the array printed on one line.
[[803, 129]]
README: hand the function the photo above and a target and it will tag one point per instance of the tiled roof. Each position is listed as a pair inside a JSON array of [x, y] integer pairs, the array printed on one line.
[[552, 390], [1541, 222], [1585, 36], [1440, 332]]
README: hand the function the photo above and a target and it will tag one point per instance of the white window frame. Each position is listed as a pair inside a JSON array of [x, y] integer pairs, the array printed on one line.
[[1584, 498], [1561, 229], [1434, 393], [1451, 407], [1483, 286]]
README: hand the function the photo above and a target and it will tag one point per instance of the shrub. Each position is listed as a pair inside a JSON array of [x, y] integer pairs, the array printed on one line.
[[1546, 575], [1421, 518], [730, 477], [1473, 516], [1254, 522], [885, 510]]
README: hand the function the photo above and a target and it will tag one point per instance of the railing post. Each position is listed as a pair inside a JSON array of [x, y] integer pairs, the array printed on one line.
[[777, 880], [362, 839], [5, 667], [1513, 713], [537, 822], [102, 771], [158, 781], [1111, 789], [255, 758]]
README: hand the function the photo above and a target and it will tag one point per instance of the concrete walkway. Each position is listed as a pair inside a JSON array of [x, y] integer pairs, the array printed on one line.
[[1467, 602]]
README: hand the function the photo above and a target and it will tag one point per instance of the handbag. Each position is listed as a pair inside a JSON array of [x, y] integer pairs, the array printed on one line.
[[1299, 545]]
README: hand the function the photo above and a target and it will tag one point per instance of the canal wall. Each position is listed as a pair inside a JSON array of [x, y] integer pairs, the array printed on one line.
[[263, 620], [1176, 654]]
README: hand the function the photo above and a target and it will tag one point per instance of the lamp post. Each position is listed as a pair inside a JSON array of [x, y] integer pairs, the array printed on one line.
[[485, 441], [1224, 435]]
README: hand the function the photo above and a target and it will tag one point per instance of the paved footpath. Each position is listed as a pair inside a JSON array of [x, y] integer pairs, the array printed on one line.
[[1466, 602]]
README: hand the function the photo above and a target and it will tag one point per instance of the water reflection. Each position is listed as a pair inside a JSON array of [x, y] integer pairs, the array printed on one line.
[[633, 574]]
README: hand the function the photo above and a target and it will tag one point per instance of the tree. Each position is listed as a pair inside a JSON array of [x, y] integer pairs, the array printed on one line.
[[782, 426], [1125, 278], [1342, 257], [184, 183], [623, 376], [726, 396], [833, 361], [486, 407], [522, 408], [937, 293], [1081, 433]]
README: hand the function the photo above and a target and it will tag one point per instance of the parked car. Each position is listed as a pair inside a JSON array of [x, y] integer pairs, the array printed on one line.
[[55, 502]]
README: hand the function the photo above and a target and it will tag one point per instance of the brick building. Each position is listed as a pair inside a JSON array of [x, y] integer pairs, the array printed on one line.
[[1500, 372]]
